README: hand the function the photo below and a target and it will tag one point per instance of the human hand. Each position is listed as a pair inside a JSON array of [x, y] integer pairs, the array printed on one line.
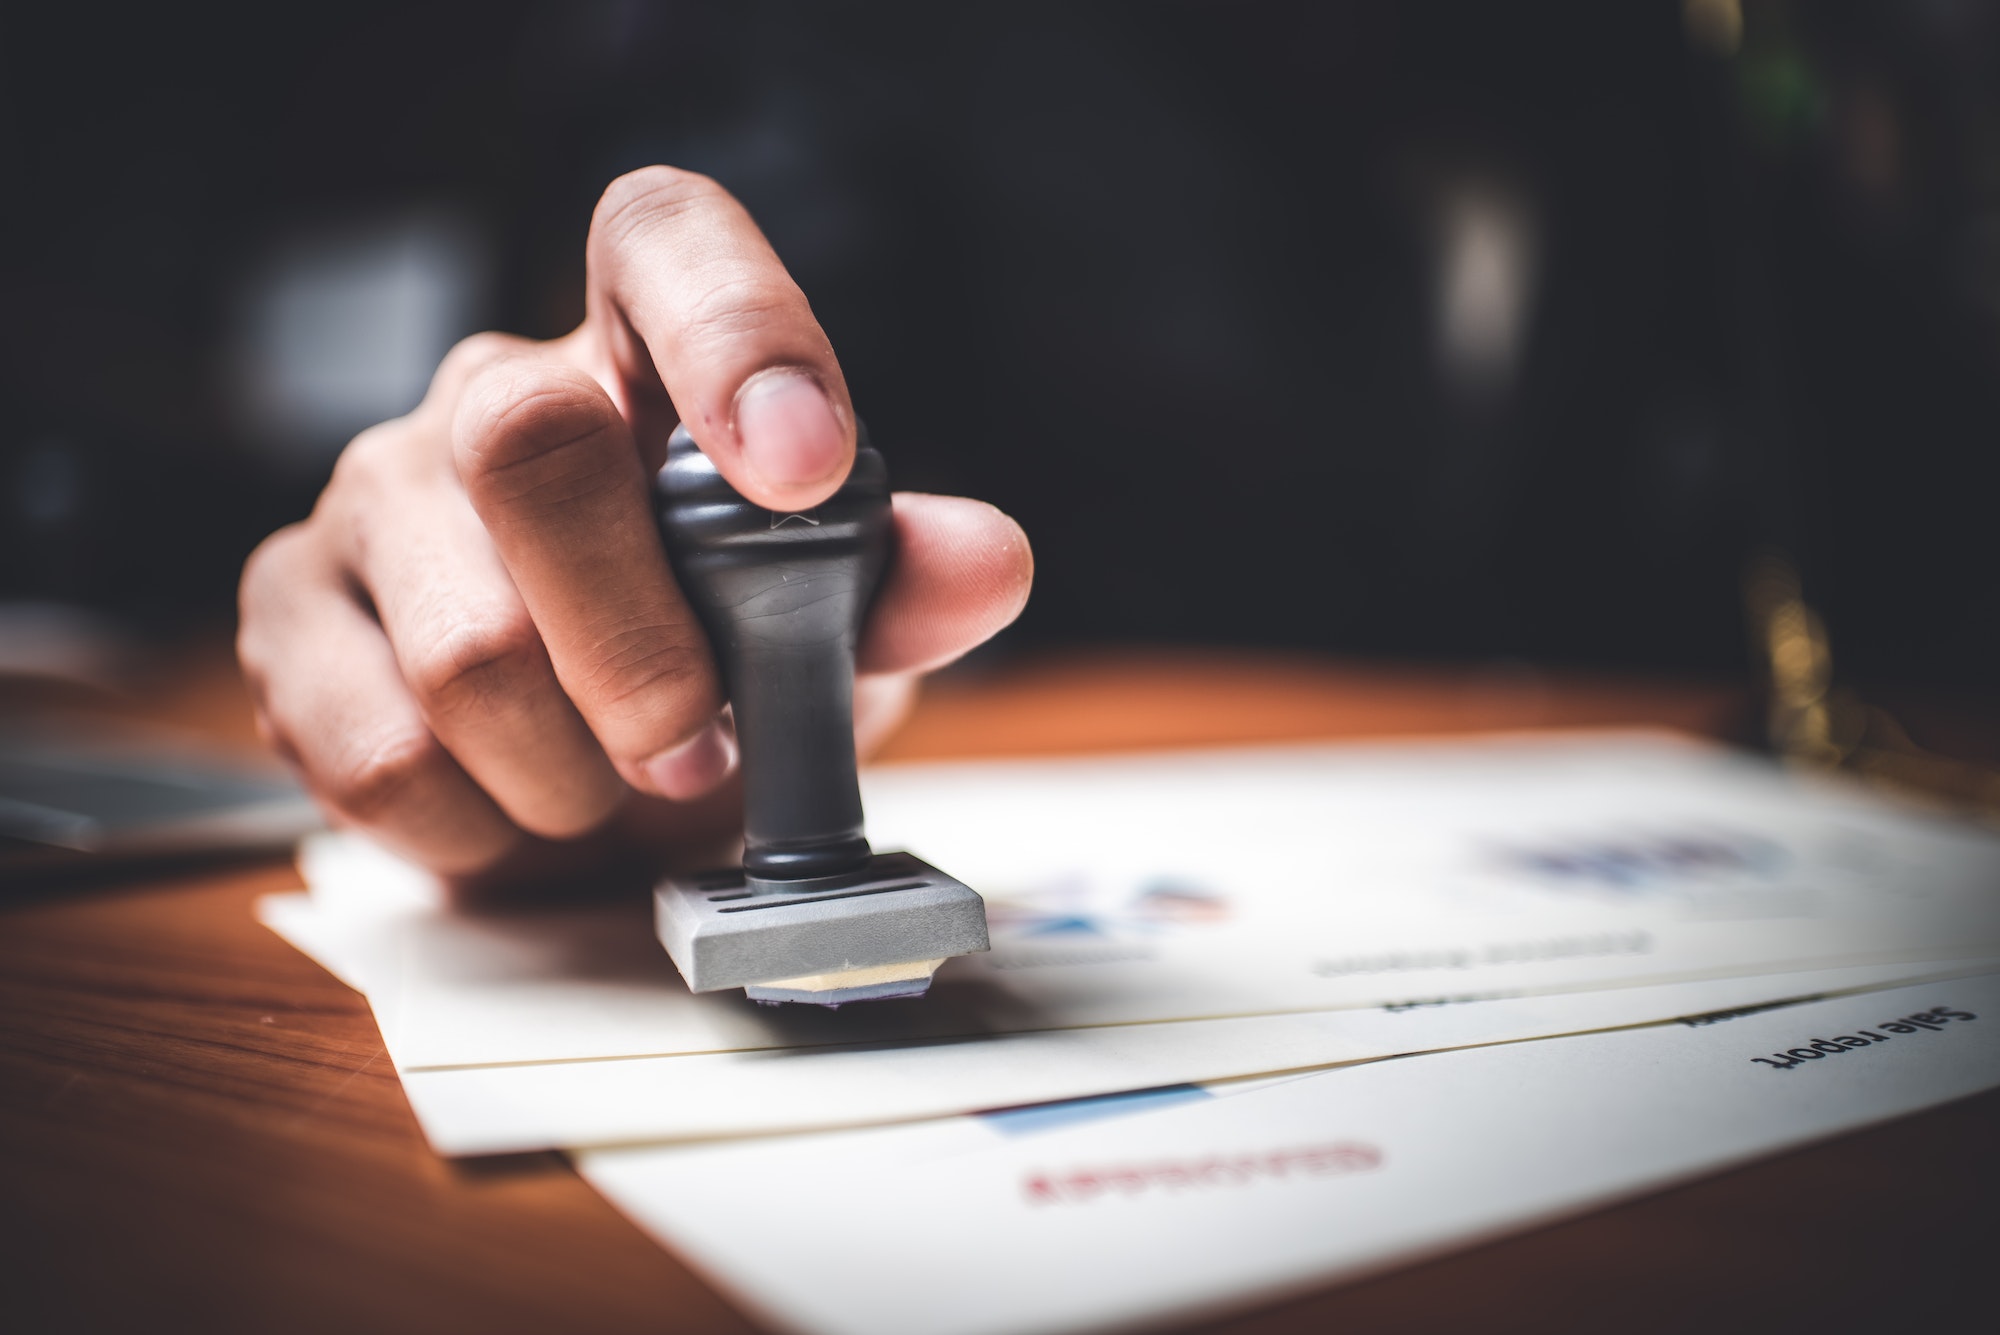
[[474, 648]]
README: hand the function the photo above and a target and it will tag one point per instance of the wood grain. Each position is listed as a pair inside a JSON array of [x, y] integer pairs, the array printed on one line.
[[199, 1129]]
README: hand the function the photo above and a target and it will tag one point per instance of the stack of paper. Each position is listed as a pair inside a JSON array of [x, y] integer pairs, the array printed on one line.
[[1191, 926]]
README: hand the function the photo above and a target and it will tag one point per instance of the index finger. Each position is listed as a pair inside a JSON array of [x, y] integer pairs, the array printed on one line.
[[552, 472], [700, 323]]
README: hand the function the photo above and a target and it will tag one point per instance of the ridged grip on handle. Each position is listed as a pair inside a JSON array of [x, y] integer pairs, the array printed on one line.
[[782, 598]]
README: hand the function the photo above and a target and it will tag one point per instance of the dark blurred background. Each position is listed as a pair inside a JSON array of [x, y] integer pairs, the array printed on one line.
[[1411, 330]]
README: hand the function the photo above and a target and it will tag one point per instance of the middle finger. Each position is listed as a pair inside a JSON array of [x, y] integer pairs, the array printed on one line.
[[467, 647]]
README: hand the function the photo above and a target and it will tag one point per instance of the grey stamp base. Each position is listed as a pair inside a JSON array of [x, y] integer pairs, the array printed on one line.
[[725, 931]]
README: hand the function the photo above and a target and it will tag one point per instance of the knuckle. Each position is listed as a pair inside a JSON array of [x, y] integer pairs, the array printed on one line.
[[740, 306], [643, 199], [468, 356], [665, 686], [482, 665], [517, 414], [272, 574], [366, 461], [272, 560], [475, 350], [542, 445], [251, 658], [378, 780], [253, 666]]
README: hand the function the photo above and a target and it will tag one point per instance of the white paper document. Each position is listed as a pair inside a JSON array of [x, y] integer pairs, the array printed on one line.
[[498, 1109], [1174, 918], [982, 1226]]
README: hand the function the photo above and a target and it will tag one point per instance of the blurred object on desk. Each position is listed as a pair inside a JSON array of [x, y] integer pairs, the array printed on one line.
[[64, 645], [93, 777], [83, 794], [1814, 723]]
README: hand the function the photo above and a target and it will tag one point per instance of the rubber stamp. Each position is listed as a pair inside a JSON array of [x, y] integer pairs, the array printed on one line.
[[814, 914]]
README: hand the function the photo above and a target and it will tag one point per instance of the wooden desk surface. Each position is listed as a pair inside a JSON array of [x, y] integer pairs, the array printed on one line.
[[199, 1128]]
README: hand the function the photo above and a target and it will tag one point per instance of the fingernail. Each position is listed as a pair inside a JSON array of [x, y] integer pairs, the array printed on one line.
[[790, 435], [695, 767]]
